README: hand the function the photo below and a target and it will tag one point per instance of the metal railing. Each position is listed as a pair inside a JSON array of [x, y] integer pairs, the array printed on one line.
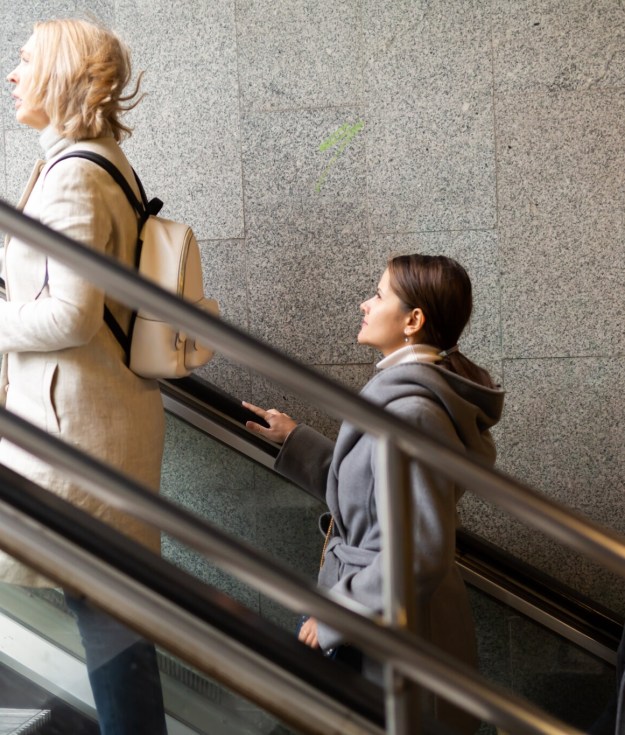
[[65, 548], [413, 657], [406, 654], [483, 565]]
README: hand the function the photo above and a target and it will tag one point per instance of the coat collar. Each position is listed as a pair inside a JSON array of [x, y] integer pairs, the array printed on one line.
[[32, 180], [53, 143]]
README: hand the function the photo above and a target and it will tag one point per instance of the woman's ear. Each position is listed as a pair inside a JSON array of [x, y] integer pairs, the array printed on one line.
[[414, 322]]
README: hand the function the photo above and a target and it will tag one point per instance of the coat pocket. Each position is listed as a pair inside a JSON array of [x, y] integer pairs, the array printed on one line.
[[47, 396]]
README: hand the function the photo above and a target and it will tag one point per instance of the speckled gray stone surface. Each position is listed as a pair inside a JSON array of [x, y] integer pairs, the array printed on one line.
[[560, 158], [224, 268], [308, 255], [186, 146], [102, 11], [569, 449], [3, 177], [429, 69], [316, 157], [416, 51], [421, 180], [540, 45], [298, 54], [562, 289], [307, 293]]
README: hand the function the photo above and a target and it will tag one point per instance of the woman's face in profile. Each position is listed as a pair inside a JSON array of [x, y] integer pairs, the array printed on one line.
[[384, 319], [25, 111]]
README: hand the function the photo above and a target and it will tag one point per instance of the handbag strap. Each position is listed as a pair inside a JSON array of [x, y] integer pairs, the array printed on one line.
[[327, 541]]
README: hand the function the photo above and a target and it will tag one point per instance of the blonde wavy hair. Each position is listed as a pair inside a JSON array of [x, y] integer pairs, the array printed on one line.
[[80, 71]]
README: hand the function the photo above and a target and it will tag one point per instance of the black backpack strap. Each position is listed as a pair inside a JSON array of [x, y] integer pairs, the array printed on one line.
[[144, 209], [119, 334], [112, 169]]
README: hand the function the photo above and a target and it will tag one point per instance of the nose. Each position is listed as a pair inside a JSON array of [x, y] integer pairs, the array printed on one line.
[[12, 77], [364, 306]]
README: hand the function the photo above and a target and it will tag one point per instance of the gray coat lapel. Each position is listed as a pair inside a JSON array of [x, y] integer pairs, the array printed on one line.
[[346, 440]]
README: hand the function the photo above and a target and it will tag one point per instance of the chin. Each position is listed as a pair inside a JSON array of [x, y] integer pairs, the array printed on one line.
[[22, 119]]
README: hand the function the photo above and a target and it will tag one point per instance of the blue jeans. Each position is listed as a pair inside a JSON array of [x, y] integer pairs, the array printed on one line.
[[123, 673]]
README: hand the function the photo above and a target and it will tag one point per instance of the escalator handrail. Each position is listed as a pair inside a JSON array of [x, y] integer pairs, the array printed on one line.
[[54, 523], [198, 394], [500, 570], [569, 527], [166, 604], [497, 567]]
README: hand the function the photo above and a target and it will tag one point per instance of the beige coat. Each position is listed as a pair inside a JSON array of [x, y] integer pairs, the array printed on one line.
[[63, 370]]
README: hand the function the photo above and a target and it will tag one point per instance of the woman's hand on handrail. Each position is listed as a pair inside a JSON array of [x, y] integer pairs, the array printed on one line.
[[280, 424]]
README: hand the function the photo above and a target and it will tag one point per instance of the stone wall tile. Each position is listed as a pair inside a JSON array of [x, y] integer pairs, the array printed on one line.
[[543, 45], [187, 142], [299, 54]]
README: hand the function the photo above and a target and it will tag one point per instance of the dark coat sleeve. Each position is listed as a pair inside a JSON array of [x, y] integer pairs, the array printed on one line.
[[305, 459]]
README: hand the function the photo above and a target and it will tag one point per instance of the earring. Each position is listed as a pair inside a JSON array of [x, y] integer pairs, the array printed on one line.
[[406, 339]]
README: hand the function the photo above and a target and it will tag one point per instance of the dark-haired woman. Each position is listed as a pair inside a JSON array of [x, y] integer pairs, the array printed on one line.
[[415, 319]]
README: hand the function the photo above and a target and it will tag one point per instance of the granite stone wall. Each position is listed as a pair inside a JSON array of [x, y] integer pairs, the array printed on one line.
[[306, 140]]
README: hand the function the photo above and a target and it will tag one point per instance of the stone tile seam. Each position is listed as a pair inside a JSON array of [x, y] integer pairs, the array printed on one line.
[[310, 108], [428, 232], [208, 240], [496, 162], [594, 356], [246, 274]]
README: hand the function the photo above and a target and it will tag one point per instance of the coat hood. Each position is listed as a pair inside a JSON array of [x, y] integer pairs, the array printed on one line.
[[472, 408]]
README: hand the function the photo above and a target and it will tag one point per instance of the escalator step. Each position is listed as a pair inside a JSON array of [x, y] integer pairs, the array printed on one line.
[[23, 721]]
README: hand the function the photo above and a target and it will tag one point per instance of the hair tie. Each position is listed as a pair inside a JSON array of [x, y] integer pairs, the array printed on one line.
[[451, 350]]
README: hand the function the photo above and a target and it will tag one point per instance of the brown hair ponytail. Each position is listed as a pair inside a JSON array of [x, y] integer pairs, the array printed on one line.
[[441, 288]]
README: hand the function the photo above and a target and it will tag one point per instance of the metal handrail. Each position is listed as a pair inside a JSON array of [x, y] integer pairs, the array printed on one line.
[[413, 657], [483, 565], [444, 676], [180, 631], [582, 535]]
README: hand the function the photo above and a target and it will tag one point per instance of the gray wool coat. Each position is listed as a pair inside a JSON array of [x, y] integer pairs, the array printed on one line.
[[63, 370], [451, 408]]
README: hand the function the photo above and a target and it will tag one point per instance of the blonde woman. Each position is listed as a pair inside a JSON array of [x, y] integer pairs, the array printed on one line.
[[63, 369]]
